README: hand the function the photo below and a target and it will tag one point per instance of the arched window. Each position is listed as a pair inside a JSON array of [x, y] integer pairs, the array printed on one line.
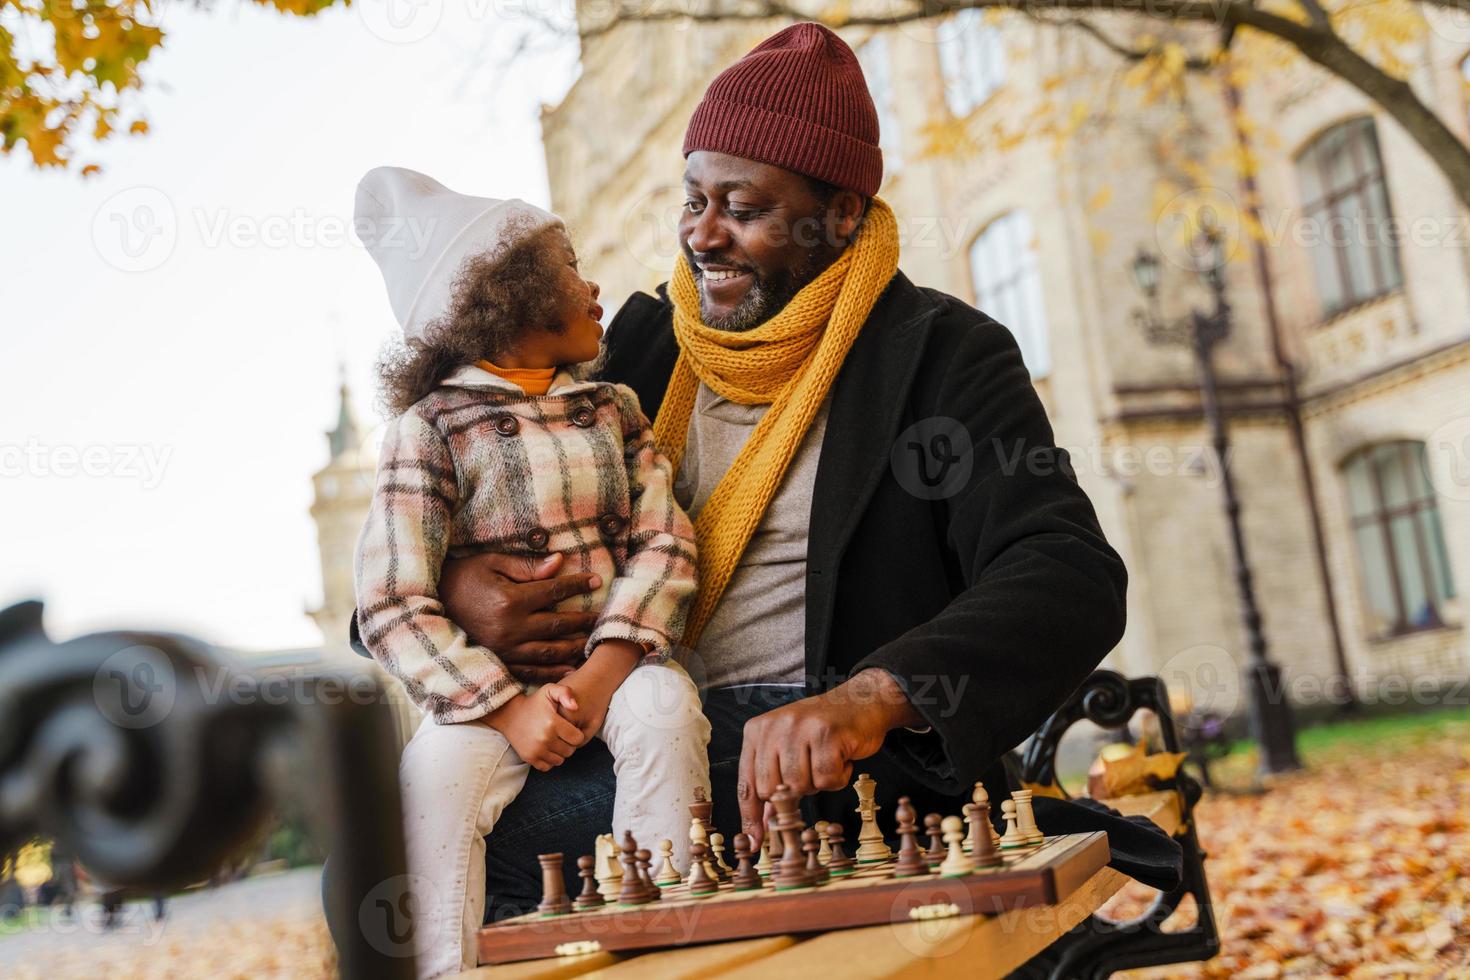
[[1007, 277], [972, 59], [1345, 204], [1401, 552]]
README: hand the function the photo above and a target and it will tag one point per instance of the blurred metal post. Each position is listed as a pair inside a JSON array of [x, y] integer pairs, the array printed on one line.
[[1272, 722]]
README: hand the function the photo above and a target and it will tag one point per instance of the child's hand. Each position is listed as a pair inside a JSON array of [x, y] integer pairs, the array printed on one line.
[[535, 727], [594, 683]]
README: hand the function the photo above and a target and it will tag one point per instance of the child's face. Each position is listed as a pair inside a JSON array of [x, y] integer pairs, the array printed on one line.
[[581, 336]]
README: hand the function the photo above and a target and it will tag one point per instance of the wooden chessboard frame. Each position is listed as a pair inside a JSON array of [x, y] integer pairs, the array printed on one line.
[[1045, 875]]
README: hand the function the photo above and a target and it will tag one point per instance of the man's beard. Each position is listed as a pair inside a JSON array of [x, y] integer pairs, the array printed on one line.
[[767, 295]]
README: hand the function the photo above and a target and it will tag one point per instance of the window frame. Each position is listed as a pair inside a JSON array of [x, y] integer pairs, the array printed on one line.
[[1359, 133], [1014, 279], [1382, 515]]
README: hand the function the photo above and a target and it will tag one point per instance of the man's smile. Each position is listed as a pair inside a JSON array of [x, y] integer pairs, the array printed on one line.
[[723, 284]]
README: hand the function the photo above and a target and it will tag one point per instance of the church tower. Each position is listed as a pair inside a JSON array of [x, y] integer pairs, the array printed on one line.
[[343, 489]]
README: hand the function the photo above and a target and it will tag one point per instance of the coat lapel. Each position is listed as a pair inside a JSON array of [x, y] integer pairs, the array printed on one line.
[[868, 400]]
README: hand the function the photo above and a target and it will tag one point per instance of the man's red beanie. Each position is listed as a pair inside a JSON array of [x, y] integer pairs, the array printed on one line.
[[797, 101]]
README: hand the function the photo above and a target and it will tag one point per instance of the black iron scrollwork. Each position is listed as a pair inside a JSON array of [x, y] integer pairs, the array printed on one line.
[[1098, 947], [146, 755]]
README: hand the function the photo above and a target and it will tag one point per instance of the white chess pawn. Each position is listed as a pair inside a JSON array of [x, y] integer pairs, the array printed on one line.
[[825, 853], [763, 866], [1026, 817], [698, 835], [956, 862], [1013, 837], [717, 853], [667, 873]]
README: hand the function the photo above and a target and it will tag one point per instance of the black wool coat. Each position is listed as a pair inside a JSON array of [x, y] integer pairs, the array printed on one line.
[[991, 596]]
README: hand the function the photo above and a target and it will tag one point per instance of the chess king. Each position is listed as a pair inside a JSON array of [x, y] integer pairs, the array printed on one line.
[[896, 563]]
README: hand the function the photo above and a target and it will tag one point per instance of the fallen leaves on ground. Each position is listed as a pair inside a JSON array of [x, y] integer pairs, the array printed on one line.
[[1357, 867]]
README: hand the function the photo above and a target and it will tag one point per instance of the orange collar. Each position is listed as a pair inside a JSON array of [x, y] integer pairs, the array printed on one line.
[[533, 381]]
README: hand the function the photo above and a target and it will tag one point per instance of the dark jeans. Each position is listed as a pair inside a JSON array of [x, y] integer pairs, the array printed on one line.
[[565, 809]]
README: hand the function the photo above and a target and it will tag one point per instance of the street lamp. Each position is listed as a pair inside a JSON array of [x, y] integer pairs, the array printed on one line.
[[1272, 723]]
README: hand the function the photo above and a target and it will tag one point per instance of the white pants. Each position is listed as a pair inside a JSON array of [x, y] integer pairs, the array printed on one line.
[[456, 780]]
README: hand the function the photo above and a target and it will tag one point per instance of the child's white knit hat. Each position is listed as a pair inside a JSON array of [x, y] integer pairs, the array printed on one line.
[[420, 233]]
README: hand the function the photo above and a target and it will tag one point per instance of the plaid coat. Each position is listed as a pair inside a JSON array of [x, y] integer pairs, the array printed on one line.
[[480, 466]]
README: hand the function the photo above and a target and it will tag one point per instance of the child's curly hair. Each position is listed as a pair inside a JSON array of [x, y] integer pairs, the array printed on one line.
[[497, 297]]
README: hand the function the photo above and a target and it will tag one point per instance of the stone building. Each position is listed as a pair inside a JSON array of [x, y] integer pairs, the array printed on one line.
[[1345, 381], [342, 491]]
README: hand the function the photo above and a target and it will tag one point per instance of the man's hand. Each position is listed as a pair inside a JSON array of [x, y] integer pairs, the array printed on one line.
[[501, 602], [811, 744]]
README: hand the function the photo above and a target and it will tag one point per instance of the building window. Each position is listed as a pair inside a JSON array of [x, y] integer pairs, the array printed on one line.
[[1345, 203], [1007, 277], [1401, 552], [878, 69], [972, 59]]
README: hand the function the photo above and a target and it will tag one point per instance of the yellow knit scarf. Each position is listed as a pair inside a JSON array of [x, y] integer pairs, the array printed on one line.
[[788, 362]]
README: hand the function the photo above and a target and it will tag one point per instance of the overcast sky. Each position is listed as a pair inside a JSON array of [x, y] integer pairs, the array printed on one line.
[[171, 330]]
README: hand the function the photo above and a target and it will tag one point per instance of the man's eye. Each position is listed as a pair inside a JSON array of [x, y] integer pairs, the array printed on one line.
[[742, 215], [693, 207]]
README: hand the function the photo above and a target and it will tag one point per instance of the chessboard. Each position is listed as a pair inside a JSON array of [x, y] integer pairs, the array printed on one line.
[[804, 881]]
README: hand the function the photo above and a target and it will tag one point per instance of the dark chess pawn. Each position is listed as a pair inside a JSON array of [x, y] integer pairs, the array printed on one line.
[[839, 863], [554, 899], [935, 854], [700, 883], [811, 843], [590, 898], [982, 846], [645, 870], [632, 892], [910, 859], [791, 870], [745, 877]]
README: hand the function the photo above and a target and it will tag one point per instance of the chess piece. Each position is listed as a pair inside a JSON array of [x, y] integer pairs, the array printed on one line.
[[632, 892], [935, 853], [610, 871], [910, 859], [667, 873], [763, 867], [1026, 818], [717, 857], [791, 871], [956, 862], [1013, 837], [870, 839], [983, 851], [825, 854], [645, 872], [745, 877], [590, 898], [554, 899], [811, 844], [982, 799], [699, 834], [700, 882], [839, 863]]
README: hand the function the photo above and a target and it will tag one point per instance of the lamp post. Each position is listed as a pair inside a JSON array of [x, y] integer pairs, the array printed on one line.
[[1272, 723]]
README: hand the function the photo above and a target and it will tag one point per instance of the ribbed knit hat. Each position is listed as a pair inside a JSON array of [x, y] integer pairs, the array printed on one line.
[[797, 101], [420, 233]]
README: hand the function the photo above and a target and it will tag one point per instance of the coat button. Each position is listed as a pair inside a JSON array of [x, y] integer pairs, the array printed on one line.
[[583, 416], [611, 525], [507, 425], [537, 538]]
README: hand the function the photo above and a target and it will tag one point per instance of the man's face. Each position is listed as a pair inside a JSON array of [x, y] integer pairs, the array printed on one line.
[[754, 235]]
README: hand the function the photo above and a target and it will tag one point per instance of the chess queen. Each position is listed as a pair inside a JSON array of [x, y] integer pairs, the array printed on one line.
[[498, 446]]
